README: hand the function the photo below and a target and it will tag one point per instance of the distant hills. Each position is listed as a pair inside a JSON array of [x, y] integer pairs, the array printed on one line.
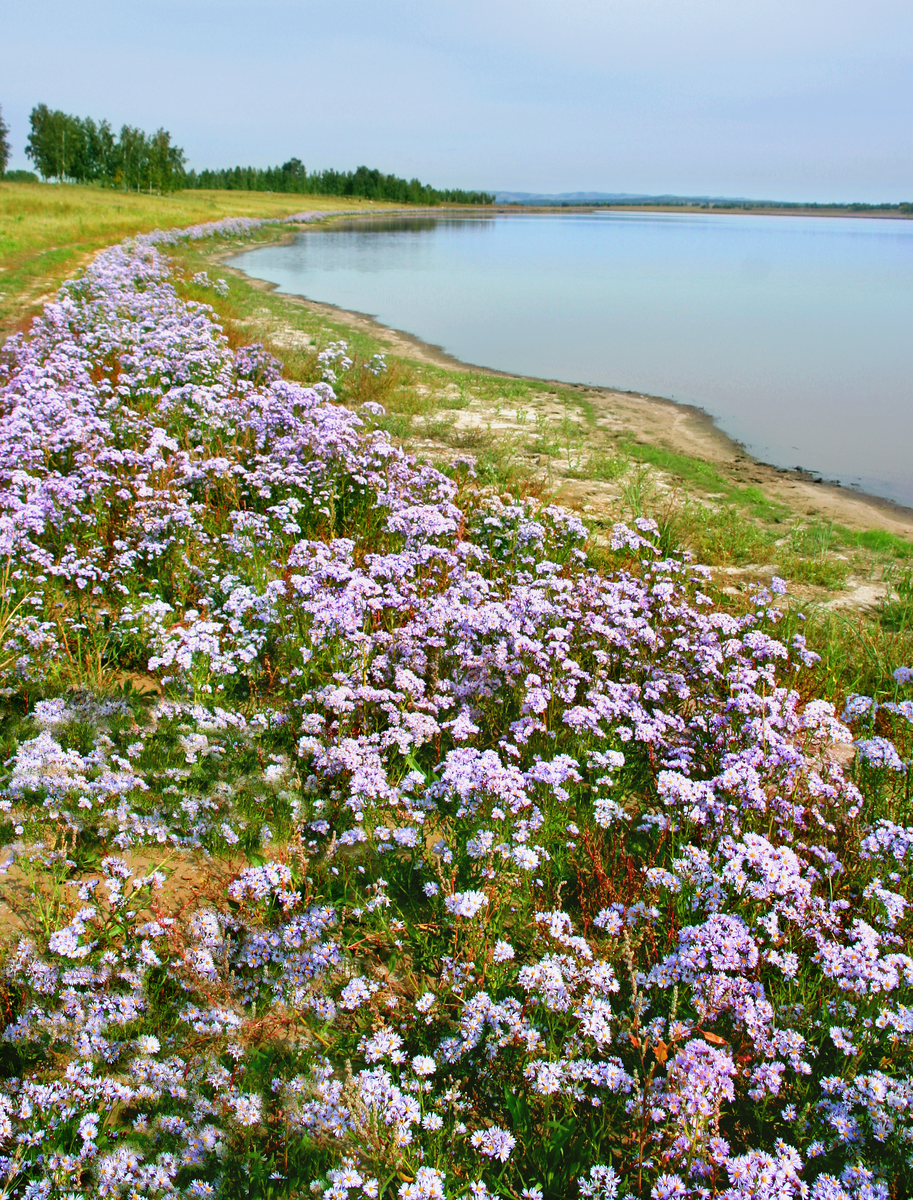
[[560, 198], [569, 199]]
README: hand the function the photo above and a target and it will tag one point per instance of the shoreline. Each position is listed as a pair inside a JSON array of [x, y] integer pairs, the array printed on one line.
[[680, 427], [509, 210], [709, 210]]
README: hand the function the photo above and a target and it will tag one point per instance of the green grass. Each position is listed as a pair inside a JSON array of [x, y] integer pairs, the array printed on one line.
[[705, 477], [691, 470], [607, 466], [724, 535], [896, 614], [882, 542]]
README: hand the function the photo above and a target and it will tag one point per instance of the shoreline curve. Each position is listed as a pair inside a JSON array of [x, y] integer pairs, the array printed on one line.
[[705, 439]]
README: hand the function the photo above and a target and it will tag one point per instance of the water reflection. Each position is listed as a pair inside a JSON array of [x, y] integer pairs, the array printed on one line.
[[424, 224]]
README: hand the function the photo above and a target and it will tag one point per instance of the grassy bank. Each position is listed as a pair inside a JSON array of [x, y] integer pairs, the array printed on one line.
[[48, 231], [853, 579]]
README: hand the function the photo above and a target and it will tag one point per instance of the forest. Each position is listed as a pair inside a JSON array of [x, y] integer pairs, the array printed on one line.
[[81, 150]]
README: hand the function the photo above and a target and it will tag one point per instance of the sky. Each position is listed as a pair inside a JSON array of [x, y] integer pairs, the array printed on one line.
[[769, 99]]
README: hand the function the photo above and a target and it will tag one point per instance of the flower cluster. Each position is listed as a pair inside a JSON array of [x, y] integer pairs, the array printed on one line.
[[508, 875]]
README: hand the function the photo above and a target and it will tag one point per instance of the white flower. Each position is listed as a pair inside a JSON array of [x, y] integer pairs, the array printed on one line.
[[88, 1127], [248, 1109], [466, 904], [494, 1142]]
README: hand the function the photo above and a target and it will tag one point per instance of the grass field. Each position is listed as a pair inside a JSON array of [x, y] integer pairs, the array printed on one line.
[[48, 231]]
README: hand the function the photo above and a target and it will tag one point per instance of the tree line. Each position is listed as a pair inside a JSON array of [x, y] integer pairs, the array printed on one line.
[[365, 182], [80, 150]]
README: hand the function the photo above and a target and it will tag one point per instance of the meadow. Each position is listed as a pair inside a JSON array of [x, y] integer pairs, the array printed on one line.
[[376, 826], [49, 231]]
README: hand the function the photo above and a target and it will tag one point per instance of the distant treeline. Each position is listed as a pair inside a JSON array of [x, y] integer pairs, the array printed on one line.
[[856, 206], [784, 205], [80, 150], [364, 182]]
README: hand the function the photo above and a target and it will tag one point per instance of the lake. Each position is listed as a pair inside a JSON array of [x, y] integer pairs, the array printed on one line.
[[793, 333]]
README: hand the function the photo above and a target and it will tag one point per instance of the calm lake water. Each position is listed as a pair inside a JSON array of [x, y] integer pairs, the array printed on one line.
[[794, 333]]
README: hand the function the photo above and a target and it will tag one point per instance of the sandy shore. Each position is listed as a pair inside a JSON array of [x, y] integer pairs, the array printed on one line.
[[649, 419]]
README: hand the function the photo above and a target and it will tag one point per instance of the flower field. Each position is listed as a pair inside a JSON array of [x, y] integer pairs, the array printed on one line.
[[513, 877]]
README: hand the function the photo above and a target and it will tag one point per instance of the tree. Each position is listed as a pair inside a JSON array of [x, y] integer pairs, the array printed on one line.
[[294, 175], [102, 146], [166, 162], [78, 148], [37, 148], [4, 143], [132, 148], [54, 142]]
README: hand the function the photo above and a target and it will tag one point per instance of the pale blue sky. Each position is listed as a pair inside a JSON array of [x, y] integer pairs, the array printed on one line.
[[787, 99]]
